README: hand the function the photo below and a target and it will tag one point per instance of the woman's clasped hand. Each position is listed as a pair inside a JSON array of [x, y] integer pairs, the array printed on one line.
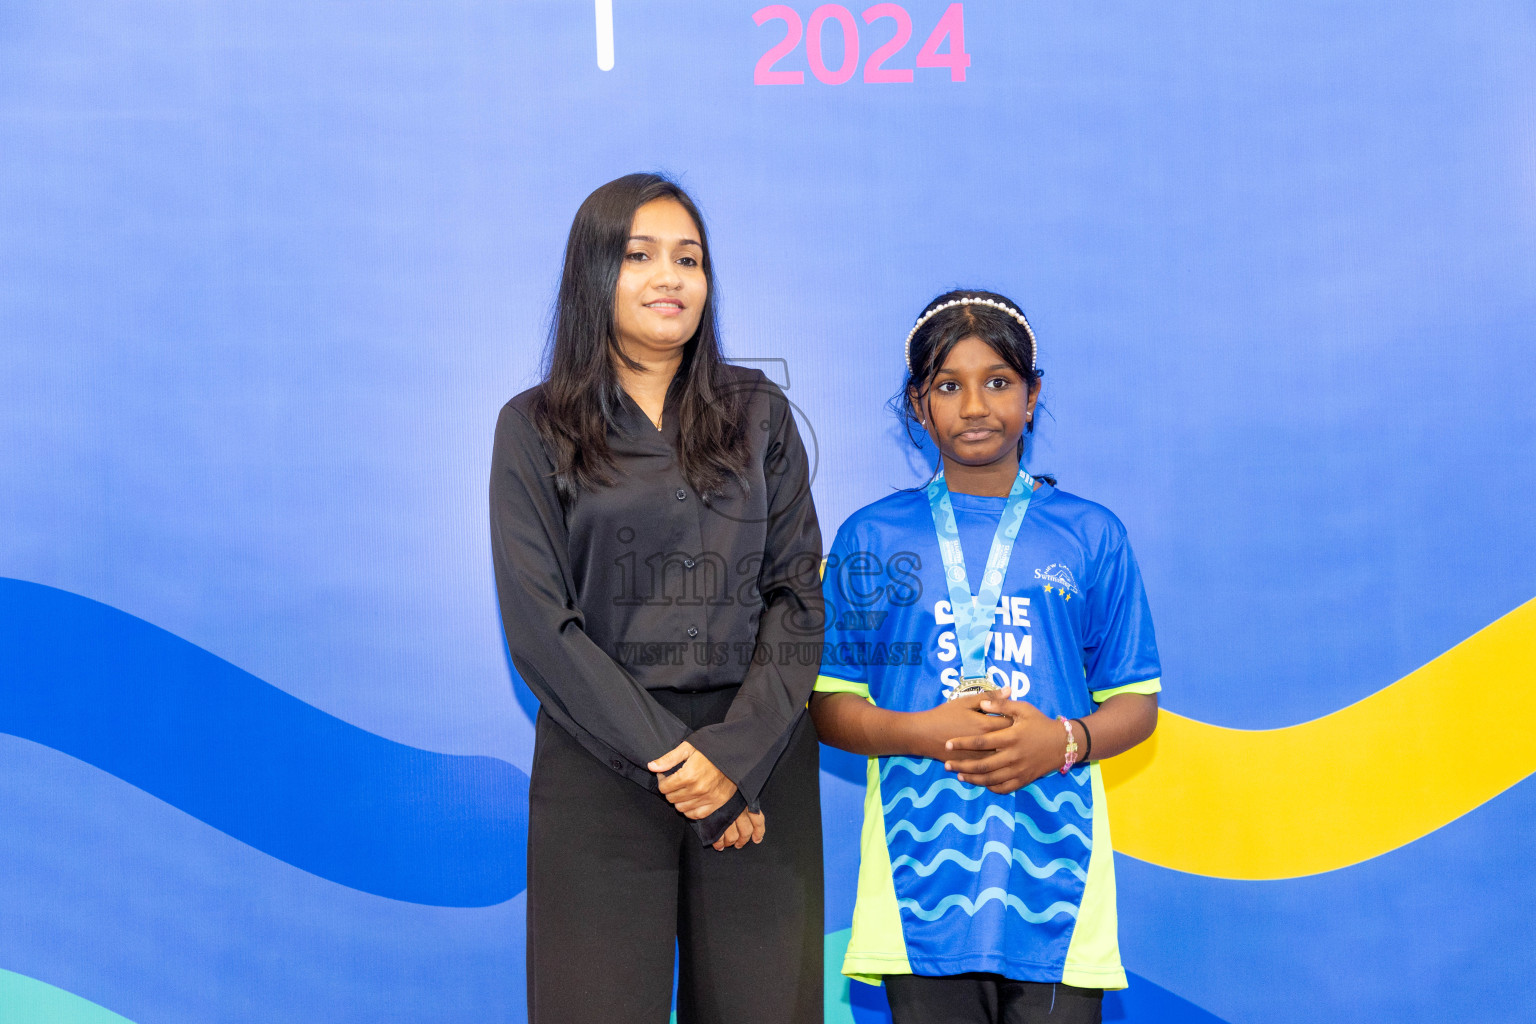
[[696, 788]]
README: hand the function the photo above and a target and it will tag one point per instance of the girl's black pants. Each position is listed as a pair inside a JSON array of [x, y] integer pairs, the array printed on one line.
[[617, 880], [989, 999]]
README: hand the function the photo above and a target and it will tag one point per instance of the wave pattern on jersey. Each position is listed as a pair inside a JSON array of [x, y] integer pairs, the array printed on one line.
[[960, 854], [992, 848], [920, 800], [992, 895], [915, 766], [1053, 804]]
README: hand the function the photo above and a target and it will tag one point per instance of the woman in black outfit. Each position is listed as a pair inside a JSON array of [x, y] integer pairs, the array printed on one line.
[[656, 555]]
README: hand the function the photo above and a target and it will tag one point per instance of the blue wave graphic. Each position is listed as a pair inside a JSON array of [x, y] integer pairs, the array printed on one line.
[[950, 819], [992, 848], [1065, 797], [168, 717], [964, 790], [915, 766], [994, 894]]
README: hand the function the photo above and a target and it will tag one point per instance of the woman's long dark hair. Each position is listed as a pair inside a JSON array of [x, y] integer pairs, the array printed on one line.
[[581, 394], [944, 330]]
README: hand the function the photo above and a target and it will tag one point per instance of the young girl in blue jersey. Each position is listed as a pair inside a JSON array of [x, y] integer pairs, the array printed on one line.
[[988, 640]]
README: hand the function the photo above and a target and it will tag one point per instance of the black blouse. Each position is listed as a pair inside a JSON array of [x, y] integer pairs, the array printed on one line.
[[642, 586]]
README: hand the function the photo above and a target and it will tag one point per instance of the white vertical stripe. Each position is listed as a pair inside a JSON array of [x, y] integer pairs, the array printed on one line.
[[605, 34]]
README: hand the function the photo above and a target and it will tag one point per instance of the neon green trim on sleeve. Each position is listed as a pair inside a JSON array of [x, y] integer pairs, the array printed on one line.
[[1093, 956], [1145, 686], [832, 684], [877, 946]]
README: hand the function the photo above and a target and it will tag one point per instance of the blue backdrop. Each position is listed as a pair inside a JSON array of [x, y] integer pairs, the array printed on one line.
[[268, 270]]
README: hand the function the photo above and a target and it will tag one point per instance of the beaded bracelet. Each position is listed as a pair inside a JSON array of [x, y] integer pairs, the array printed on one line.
[[1071, 756]]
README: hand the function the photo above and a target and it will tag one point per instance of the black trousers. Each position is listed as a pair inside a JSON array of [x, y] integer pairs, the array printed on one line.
[[988, 999], [617, 879]]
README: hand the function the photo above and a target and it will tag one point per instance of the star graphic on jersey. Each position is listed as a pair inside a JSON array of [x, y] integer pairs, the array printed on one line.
[[1047, 588]]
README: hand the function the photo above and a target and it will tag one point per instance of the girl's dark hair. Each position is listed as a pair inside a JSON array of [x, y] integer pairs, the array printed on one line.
[[940, 333], [581, 394]]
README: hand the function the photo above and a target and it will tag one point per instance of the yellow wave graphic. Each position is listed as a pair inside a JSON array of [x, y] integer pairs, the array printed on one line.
[[1280, 803]]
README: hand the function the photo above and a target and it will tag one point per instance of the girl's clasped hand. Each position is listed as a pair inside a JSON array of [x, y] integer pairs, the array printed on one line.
[[990, 740], [1012, 745]]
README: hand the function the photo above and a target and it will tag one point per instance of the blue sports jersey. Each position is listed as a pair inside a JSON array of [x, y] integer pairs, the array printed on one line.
[[955, 878]]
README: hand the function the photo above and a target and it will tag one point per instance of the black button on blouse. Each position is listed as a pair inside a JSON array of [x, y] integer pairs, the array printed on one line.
[[596, 599]]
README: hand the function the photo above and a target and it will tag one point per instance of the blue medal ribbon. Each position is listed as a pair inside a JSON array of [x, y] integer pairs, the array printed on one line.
[[974, 613]]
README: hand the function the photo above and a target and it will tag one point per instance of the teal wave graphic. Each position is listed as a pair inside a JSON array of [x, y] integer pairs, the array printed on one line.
[[1051, 837], [258, 764], [993, 848], [950, 819], [913, 765], [992, 895], [1065, 797], [25, 1000], [964, 790]]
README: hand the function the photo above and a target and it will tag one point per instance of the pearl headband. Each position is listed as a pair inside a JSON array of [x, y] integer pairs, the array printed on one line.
[[972, 302]]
